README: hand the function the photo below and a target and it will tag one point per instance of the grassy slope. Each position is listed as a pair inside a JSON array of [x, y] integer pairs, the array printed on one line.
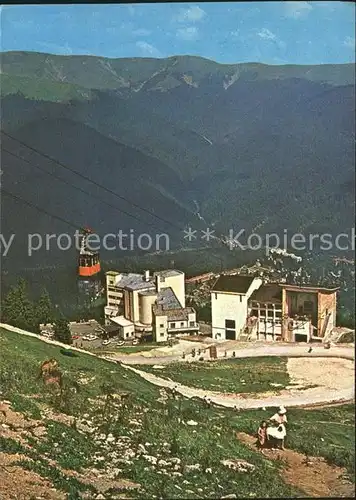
[[324, 432], [159, 424], [19, 361], [41, 89], [231, 376]]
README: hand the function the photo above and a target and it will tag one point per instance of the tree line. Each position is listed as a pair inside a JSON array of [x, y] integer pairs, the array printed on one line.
[[17, 309]]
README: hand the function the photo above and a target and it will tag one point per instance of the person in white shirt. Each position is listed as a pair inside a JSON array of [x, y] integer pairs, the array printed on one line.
[[279, 431]]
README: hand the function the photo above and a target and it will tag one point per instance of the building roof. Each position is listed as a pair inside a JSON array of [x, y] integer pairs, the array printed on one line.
[[167, 273], [148, 293], [308, 288], [268, 293], [121, 321], [235, 284], [180, 314], [168, 299], [133, 281]]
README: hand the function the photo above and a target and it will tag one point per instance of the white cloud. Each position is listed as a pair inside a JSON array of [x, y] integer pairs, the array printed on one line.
[[349, 42], [147, 49], [266, 34], [296, 10], [192, 14], [141, 32], [189, 33]]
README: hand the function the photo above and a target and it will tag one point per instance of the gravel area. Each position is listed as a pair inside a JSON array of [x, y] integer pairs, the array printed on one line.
[[334, 376]]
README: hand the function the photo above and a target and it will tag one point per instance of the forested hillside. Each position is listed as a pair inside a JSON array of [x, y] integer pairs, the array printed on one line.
[[245, 145]]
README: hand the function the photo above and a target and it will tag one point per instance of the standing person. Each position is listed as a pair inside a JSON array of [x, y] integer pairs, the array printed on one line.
[[280, 419], [174, 392], [262, 434]]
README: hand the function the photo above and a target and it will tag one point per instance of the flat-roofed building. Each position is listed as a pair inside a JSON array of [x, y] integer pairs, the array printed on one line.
[[138, 297]]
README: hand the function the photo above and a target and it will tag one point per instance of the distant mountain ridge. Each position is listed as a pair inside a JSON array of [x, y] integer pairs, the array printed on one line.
[[131, 75], [250, 145]]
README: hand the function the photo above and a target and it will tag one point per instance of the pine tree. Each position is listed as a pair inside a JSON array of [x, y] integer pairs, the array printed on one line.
[[18, 310], [62, 331], [44, 309]]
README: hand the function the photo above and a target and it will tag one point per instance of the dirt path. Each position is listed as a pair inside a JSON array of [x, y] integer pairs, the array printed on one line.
[[335, 378], [241, 350], [312, 475], [312, 396]]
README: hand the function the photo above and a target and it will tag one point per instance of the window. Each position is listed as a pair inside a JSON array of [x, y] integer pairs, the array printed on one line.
[[161, 334], [240, 298], [161, 325], [182, 324], [230, 331], [216, 295], [191, 323], [162, 279], [173, 325]]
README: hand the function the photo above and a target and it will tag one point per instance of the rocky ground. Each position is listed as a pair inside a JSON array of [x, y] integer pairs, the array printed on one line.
[[103, 445]]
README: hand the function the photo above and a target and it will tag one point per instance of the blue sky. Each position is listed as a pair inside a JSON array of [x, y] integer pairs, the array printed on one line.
[[270, 32]]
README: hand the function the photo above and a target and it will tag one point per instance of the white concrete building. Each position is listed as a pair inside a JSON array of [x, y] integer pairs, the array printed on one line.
[[244, 308], [229, 305], [126, 327], [139, 298]]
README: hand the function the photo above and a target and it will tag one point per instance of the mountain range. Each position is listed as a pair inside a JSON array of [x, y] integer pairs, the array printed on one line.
[[193, 142]]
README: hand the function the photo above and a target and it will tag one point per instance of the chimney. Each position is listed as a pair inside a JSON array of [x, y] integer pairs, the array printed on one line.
[[147, 276]]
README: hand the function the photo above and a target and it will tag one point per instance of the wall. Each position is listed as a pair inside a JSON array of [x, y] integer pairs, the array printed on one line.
[[192, 317], [114, 298], [115, 295], [146, 303], [177, 283], [135, 312], [285, 315], [177, 325], [300, 298], [127, 332], [127, 305], [160, 333], [326, 301], [227, 306], [301, 327], [255, 285]]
